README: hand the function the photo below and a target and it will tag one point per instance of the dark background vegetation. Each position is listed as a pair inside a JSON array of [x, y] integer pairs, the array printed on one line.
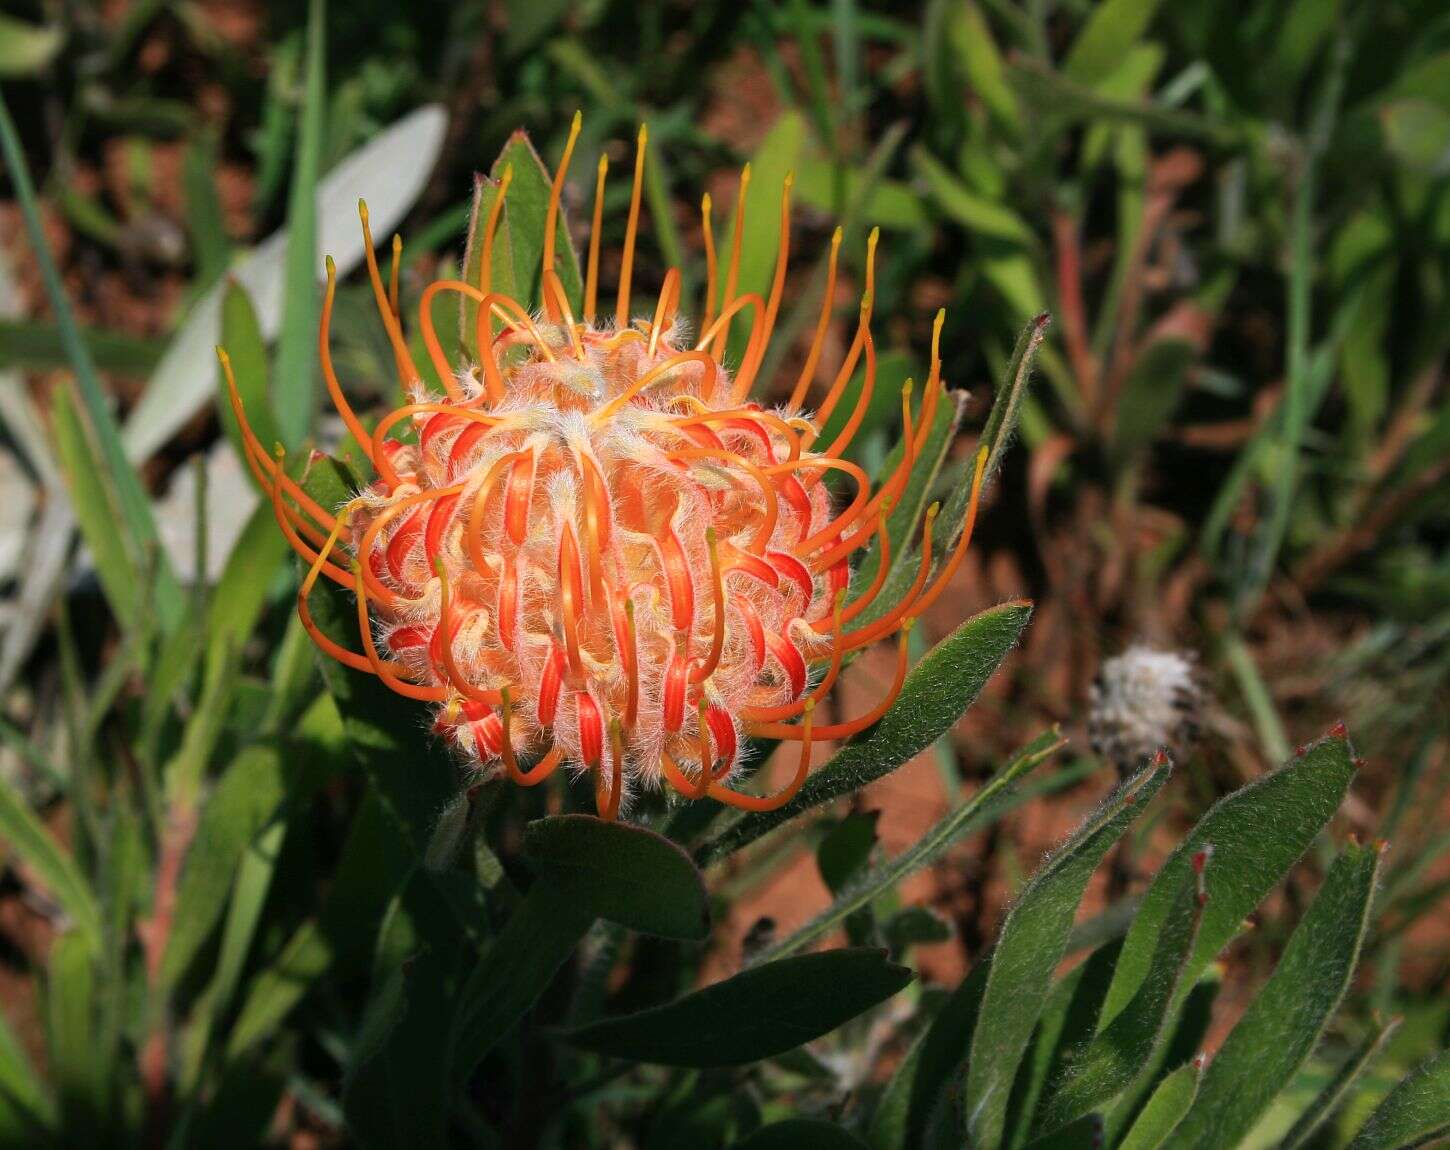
[[1237, 444]]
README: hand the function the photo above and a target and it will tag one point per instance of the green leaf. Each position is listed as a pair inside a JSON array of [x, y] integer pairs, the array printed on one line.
[[800, 1134], [846, 849], [1151, 393], [1124, 1051], [1281, 1026], [1113, 28], [27, 49], [400, 1072], [374, 864], [1032, 943], [625, 874], [294, 397], [211, 249], [1006, 410], [538, 938], [936, 693], [978, 214], [36, 345], [518, 244], [1257, 833], [78, 1067], [242, 338], [26, 1112], [903, 525], [1165, 1110], [927, 1074], [1087, 1131], [25, 837], [96, 512], [981, 61], [969, 816], [889, 204], [1337, 1090], [257, 786], [1417, 133], [241, 593], [1064, 1026], [778, 155], [131, 498], [1414, 1112], [760, 1012]]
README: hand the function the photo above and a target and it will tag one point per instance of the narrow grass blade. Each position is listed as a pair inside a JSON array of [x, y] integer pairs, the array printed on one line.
[[1328, 1101], [26, 838], [134, 506], [294, 395], [117, 567]]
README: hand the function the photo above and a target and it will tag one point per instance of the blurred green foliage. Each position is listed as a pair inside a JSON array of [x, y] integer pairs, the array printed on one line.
[[270, 912]]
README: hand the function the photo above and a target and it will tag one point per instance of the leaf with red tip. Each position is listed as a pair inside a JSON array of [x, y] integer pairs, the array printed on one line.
[[1258, 833]]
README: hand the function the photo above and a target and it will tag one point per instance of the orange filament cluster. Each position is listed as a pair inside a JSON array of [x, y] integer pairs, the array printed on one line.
[[596, 549]]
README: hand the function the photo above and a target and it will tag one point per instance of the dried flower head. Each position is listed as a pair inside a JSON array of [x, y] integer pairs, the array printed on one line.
[[1144, 700], [598, 551]]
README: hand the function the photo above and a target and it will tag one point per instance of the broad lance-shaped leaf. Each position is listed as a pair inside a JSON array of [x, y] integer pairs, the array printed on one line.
[[1338, 1089], [870, 884], [1281, 1026], [399, 1074], [625, 874], [1165, 1110], [925, 1075], [937, 692], [760, 1012], [518, 243], [1414, 1112], [1032, 943], [538, 938], [1064, 1026], [1121, 1053], [1257, 834]]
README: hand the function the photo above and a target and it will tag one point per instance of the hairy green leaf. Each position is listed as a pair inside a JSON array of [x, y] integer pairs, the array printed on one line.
[[1281, 1026], [1031, 944], [1414, 1112], [1337, 1090], [1257, 833], [936, 693], [625, 874], [1165, 1110], [970, 815], [1124, 1051], [760, 1012]]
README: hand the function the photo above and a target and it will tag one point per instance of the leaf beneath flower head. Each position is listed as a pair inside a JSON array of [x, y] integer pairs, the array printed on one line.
[[936, 693], [627, 874]]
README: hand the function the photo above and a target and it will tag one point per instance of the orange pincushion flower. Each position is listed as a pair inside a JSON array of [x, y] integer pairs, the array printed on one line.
[[599, 551]]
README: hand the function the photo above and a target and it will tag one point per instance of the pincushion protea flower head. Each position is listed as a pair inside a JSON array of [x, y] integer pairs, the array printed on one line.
[[598, 550]]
